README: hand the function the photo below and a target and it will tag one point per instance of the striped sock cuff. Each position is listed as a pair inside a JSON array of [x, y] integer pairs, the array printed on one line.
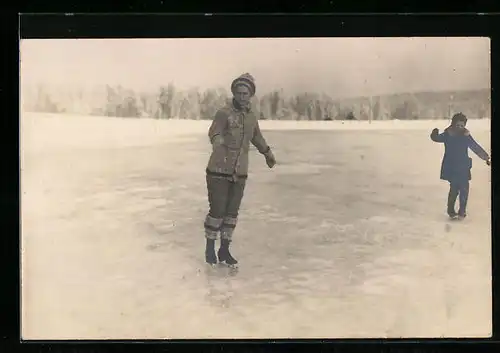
[[211, 234], [227, 233], [212, 223], [229, 222]]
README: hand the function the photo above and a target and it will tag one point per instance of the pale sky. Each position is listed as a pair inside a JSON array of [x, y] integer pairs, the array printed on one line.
[[341, 67]]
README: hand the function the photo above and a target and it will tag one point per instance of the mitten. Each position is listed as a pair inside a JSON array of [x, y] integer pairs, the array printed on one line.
[[270, 160]]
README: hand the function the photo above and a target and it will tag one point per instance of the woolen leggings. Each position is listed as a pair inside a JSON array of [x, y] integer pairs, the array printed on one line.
[[224, 198]]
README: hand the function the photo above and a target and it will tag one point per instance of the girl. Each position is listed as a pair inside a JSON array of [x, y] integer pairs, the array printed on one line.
[[456, 164], [231, 132]]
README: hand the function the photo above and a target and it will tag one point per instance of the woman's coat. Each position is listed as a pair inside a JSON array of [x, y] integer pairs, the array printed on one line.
[[238, 128]]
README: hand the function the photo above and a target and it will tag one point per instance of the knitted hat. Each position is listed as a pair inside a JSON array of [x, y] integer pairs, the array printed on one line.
[[246, 80]]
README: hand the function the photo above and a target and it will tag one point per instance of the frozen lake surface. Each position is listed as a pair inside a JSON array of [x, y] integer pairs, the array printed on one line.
[[346, 237]]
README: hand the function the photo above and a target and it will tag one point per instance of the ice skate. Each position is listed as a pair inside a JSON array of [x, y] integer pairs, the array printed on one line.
[[210, 257], [225, 256], [453, 215]]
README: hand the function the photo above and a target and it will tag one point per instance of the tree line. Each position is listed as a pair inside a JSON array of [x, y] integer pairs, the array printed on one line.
[[168, 102]]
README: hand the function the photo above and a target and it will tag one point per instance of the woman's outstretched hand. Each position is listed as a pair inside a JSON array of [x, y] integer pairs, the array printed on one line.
[[488, 162]]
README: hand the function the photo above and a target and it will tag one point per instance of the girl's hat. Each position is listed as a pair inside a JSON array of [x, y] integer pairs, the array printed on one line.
[[458, 117], [246, 80]]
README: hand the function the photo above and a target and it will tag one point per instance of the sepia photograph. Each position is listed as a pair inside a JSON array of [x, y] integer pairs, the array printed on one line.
[[255, 188]]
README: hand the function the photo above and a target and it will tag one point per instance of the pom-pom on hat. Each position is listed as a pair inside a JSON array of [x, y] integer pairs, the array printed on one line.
[[245, 80]]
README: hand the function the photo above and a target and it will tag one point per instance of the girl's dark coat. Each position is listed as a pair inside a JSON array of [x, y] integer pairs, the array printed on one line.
[[456, 164]]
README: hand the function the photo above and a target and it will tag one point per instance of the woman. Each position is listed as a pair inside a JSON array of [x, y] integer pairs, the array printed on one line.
[[456, 165], [230, 133]]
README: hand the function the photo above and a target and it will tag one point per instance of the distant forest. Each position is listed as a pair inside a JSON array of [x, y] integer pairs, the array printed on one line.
[[170, 103]]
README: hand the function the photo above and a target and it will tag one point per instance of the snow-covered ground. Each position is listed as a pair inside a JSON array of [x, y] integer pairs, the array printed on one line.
[[346, 237]]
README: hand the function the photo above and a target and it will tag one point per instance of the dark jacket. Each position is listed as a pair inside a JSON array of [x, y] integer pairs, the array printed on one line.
[[456, 164], [238, 127]]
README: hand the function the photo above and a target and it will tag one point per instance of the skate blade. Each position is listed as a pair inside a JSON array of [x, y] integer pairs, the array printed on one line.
[[235, 266]]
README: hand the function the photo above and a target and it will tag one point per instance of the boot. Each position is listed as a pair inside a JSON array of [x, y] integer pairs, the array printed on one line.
[[210, 257], [224, 254]]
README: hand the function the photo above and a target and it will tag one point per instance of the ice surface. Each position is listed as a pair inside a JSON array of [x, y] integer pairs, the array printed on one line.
[[346, 237]]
